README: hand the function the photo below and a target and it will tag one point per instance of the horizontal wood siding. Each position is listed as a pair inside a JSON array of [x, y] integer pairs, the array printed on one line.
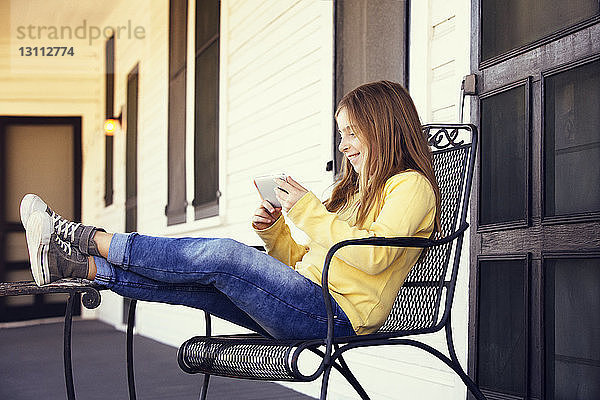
[[278, 118], [439, 52]]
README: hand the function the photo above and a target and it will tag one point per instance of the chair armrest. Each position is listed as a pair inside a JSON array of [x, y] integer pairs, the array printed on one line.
[[401, 241], [90, 290]]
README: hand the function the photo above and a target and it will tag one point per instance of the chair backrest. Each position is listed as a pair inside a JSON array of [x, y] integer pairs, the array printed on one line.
[[425, 298]]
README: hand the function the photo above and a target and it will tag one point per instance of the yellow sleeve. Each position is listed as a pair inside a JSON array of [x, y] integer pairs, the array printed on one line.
[[280, 244], [408, 208]]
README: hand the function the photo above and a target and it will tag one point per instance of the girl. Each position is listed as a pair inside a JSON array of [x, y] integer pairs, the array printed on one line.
[[387, 188]]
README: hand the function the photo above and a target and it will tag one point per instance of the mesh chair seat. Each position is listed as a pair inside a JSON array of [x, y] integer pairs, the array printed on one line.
[[242, 356]]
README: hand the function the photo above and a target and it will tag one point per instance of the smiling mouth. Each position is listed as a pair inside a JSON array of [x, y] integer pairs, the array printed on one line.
[[352, 156]]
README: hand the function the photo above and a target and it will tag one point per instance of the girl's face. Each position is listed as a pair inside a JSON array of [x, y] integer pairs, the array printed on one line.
[[350, 146]]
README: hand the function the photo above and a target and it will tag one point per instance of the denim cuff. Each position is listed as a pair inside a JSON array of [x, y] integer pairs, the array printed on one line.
[[104, 271], [118, 248]]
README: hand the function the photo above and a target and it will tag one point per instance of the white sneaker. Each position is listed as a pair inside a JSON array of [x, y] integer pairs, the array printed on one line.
[[29, 204], [51, 257], [81, 236]]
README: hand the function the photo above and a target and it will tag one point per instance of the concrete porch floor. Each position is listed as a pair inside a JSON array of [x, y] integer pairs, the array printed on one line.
[[31, 367]]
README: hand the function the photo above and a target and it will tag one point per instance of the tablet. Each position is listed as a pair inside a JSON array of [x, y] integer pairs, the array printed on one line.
[[266, 188]]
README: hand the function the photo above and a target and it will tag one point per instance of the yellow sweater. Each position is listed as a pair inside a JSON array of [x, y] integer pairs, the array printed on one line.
[[364, 280]]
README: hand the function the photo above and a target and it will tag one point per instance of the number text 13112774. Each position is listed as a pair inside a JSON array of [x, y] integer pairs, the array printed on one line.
[[54, 51]]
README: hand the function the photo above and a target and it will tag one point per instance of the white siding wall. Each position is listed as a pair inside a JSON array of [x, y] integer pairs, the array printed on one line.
[[151, 53], [275, 115], [439, 59]]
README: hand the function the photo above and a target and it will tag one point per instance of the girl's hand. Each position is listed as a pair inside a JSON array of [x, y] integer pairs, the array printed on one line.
[[288, 192], [265, 215]]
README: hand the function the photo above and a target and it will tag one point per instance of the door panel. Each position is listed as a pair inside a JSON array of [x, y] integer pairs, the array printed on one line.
[[504, 172], [510, 24], [503, 324], [572, 311], [571, 100]]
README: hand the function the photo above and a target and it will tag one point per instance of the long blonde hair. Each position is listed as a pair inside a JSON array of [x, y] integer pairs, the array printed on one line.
[[383, 116]]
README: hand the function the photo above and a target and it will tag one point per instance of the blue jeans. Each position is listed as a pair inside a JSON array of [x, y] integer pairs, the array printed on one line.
[[226, 278]]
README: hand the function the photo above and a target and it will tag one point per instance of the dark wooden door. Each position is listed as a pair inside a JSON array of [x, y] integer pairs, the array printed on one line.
[[39, 155], [535, 273]]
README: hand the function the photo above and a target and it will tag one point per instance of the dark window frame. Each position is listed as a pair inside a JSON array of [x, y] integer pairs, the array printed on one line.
[[526, 258], [109, 77], [210, 208], [526, 221], [529, 46], [567, 218], [131, 161], [131, 149], [176, 208]]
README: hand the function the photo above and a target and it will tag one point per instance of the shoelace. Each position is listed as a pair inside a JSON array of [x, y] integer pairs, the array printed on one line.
[[65, 246], [63, 227]]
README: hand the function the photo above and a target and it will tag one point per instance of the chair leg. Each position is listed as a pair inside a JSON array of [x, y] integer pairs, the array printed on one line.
[[343, 368], [345, 371], [325, 382], [208, 326], [455, 365], [67, 347], [130, 370], [450, 341], [473, 388], [204, 388]]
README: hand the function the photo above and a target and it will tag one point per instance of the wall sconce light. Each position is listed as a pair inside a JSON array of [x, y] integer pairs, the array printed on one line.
[[111, 124]]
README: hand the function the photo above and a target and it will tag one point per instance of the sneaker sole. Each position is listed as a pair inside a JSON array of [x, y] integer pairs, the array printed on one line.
[[38, 232], [29, 204]]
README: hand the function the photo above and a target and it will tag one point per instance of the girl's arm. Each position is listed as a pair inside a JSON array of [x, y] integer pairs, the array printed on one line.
[[280, 244], [408, 210]]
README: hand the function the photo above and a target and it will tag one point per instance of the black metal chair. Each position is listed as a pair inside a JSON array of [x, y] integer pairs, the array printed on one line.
[[423, 304]]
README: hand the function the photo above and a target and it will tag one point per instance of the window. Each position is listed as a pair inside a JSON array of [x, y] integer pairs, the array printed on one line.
[[109, 77], [206, 110], [176, 206]]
